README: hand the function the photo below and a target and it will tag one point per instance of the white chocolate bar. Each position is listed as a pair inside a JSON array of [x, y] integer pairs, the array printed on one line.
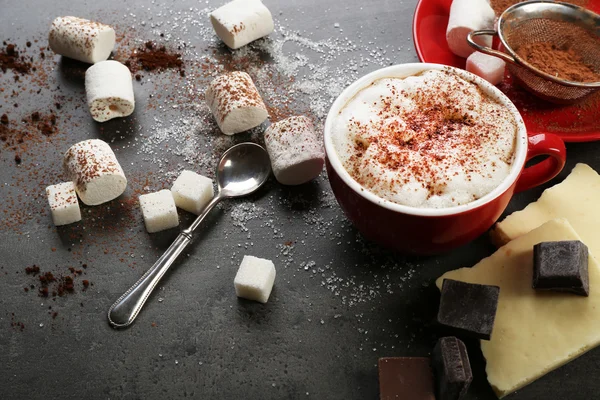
[[242, 21], [93, 167], [534, 333], [576, 199], [235, 102], [109, 90], [296, 153], [81, 39]]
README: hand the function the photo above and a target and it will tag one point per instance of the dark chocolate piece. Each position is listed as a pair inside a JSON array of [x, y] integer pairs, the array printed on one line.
[[451, 369], [405, 378], [561, 266], [468, 309]]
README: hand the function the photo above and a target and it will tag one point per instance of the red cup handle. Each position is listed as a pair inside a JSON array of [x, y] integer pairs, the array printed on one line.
[[544, 144]]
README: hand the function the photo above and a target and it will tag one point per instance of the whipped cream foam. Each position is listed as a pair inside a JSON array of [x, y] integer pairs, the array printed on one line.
[[433, 140]]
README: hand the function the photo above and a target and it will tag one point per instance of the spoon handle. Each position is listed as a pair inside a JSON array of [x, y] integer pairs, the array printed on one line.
[[124, 311]]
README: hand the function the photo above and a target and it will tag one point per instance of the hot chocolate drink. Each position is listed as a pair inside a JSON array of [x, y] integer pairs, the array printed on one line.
[[432, 140]]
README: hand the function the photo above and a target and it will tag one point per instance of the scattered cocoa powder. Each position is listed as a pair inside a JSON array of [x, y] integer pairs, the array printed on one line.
[[33, 270], [16, 324], [11, 59], [152, 57], [564, 63], [52, 285], [14, 134]]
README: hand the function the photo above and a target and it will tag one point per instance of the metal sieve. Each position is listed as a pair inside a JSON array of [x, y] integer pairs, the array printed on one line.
[[550, 22]]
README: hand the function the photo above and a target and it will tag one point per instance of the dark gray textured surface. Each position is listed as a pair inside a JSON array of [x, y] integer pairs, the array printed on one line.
[[338, 304]]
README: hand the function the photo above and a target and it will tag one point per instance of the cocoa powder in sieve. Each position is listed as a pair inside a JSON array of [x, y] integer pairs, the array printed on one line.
[[500, 5], [564, 63]]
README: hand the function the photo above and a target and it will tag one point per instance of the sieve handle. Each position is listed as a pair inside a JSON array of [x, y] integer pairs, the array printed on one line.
[[488, 50]]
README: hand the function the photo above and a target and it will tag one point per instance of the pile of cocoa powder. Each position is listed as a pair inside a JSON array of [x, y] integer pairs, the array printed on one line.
[[10, 58], [152, 57], [500, 5], [564, 63]]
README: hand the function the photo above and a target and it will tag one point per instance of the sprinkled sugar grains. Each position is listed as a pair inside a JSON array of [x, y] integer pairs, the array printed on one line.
[[302, 77]]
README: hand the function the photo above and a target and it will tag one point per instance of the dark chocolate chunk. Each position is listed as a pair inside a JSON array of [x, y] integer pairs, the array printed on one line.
[[561, 266], [451, 369], [468, 309], [405, 378]]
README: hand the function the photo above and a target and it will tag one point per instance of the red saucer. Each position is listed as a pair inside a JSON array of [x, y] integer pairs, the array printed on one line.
[[573, 123]]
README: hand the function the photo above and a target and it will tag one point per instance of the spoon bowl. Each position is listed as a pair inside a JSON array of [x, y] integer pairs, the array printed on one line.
[[243, 169]]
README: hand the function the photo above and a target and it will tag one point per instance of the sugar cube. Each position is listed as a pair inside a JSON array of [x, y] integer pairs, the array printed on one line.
[[254, 279], [63, 203], [159, 211], [487, 67], [192, 192]]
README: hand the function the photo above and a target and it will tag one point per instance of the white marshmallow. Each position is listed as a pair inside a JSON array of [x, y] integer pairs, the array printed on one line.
[[109, 90], [296, 153], [81, 39], [192, 192], [241, 22], [63, 203], [467, 16], [254, 279], [159, 211], [94, 169], [488, 67], [235, 102]]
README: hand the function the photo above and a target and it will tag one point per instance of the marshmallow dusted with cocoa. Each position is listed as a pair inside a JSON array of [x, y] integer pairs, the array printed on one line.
[[296, 153], [235, 102], [93, 167], [242, 21], [109, 90], [467, 16], [487, 67], [81, 39], [63, 203]]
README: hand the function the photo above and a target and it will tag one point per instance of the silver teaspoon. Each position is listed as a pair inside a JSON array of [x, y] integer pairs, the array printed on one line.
[[242, 169]]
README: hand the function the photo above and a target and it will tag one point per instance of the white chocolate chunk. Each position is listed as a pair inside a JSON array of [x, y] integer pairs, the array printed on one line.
[[235, 102], [158, 210], [242, 21], [254, 279], [81, 39], [534, 332], [577, 199], [109, 90], [467, 16], [487, 67], [93, 167], [63, 203], [192, 191], [296, 153]]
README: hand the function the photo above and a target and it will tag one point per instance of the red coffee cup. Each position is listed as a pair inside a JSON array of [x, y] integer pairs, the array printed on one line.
[[427, 230]]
